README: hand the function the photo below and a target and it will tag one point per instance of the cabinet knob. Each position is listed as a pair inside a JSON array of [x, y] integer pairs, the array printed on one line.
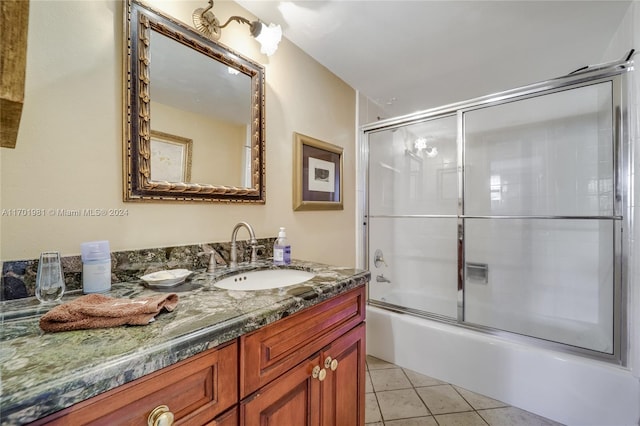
[[160, 416], [334, 365], [319, 373], [327, 362], [315, 372], [322, 375]]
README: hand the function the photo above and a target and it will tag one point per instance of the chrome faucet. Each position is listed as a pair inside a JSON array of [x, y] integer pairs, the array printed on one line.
[[233, 263], [382, 279]]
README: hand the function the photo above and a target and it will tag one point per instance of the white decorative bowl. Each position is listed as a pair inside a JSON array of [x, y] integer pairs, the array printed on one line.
[[168, 278]]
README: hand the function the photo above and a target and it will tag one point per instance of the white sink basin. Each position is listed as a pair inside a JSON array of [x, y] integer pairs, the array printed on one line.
[[264, 279]]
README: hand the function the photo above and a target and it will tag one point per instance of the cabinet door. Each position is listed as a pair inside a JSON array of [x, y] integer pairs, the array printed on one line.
[[270, 351], [291, 400], [342, 392]]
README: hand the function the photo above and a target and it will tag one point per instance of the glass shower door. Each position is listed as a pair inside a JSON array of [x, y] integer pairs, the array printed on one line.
[[413, 199], [539, 217]]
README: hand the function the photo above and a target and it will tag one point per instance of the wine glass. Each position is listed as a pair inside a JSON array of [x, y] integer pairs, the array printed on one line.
[[49, 280]]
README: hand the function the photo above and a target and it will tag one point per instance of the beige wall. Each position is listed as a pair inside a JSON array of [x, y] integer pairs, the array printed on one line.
[[69, 149]]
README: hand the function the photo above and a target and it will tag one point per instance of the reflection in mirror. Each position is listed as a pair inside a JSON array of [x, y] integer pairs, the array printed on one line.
[[205, 100], [194, 115], [170, 157]]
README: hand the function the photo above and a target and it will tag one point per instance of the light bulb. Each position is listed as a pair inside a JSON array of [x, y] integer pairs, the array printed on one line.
[[269, 37]]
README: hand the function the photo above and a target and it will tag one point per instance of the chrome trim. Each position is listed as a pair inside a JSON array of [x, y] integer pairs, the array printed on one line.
[[624, 127], [452, 216], [413, 216], [417, 312], [506, 335], [460, 140], [546, 217]]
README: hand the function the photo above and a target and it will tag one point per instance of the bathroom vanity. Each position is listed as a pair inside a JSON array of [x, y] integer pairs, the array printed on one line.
[[289, 356]]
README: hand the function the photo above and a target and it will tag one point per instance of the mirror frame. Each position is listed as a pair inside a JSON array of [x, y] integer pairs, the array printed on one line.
[[140, 20]]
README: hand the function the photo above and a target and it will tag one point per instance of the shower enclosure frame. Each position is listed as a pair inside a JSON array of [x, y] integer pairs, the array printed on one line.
[[616, 73]]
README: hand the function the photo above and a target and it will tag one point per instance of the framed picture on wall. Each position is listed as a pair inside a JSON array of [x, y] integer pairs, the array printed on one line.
[[317, 174], [170, 157]]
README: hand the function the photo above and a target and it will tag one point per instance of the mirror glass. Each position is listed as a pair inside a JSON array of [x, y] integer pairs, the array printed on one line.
[[194, 115]]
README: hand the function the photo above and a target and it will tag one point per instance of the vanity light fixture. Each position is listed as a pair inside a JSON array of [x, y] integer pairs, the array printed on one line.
[[207, 23]]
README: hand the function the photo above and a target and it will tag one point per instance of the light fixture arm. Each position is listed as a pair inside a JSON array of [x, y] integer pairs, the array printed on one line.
[[255, 27], [206, 22], [238, 19]]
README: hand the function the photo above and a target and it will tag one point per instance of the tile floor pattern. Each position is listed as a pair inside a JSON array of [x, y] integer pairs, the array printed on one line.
[[399, 397]]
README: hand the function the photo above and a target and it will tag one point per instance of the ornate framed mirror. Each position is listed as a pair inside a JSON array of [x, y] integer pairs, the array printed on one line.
[[176, 82]]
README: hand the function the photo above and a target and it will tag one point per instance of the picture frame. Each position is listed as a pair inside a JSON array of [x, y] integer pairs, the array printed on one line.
[[317, 174], [170, 157]]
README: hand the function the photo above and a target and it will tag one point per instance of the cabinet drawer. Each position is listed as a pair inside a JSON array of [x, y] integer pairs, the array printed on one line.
[[272, 350], [195, 391]]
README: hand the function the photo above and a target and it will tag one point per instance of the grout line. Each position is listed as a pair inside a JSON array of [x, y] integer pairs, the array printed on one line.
[[470, 405]]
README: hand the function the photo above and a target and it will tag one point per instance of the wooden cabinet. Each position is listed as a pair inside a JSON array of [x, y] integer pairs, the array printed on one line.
[[195, 391], [308, 369], [268, 352], [324, 390]]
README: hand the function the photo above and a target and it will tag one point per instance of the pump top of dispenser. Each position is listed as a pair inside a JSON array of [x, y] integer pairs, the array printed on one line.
[[95, 250], [282, 234]]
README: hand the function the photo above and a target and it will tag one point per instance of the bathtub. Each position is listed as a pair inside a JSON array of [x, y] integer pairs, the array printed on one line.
[[563, 387]]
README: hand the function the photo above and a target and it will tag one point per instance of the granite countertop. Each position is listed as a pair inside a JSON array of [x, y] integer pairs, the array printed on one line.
[[41, 373]]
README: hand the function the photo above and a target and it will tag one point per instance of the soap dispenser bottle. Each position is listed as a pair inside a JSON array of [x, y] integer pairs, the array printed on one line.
[[281, 249]]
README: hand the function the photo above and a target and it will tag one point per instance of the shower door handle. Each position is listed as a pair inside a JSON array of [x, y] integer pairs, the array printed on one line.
[[478, 272]]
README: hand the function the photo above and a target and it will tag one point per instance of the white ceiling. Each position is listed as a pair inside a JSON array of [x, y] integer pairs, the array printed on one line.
[[412, 55]]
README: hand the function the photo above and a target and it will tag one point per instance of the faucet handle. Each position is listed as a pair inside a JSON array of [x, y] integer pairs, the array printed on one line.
[[211, 266], [254, 251], [378, 259]]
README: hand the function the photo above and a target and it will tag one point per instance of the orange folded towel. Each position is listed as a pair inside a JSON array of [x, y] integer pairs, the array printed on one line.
[[99, 311]]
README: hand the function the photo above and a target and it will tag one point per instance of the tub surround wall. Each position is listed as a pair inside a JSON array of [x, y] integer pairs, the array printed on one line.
[[18, 278]]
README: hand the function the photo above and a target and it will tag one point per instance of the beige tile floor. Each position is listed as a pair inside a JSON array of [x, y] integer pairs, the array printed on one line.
[[399, 397]]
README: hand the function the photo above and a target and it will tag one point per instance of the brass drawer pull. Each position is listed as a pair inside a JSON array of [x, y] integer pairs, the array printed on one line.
[[327, 362], [160, 416], [319, 373], [322, 375], [331, 363]]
